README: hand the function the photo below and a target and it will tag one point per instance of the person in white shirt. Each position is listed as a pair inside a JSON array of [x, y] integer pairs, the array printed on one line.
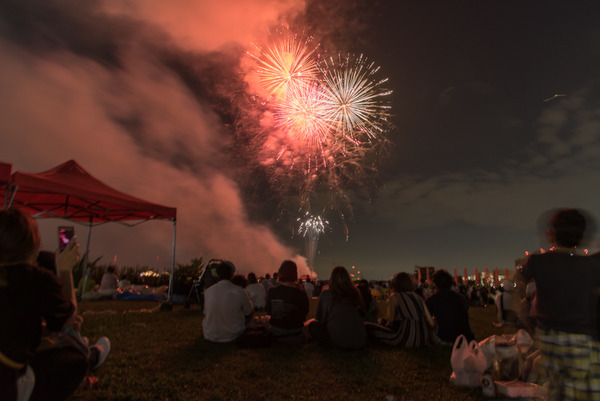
[[257, 293], [227, 308], [309, 287]]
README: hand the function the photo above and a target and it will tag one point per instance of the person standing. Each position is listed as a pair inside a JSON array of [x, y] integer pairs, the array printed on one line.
[[567, 285]]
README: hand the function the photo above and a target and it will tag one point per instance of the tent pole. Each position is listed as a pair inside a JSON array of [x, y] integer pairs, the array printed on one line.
[[168, 305], [86, 258], [170, 295], [12, 189]]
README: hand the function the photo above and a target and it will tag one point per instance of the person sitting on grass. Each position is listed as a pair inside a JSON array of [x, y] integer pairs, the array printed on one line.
[[287, 304], [567, 285], [109, 283], [257, 293], [227, 307], [509, 305], [340, 318], [365, 291], [449, 309], [408, 321], [30, 295]]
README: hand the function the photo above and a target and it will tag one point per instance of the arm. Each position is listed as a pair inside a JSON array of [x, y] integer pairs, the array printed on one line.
[[65, 261]]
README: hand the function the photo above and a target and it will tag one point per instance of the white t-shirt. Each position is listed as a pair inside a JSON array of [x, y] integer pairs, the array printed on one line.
[[109, 282], [257, 294], [310, 289], [226, 306]]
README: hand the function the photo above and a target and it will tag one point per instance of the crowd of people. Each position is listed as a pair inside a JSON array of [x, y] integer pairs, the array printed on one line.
[[44, 357], [347, 315], [557, 303]]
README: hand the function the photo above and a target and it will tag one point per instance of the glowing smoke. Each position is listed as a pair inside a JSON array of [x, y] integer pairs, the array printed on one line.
[[128, 90]]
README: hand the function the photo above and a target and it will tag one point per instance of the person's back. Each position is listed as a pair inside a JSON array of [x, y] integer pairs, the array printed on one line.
[[110, 281], [257, 293], [340, 317], [566, 294], [287, 304], [226, 308], [408, 319], [344, 321], [450, 310], [508, 305], [565, 310], [309, 288], [225, 312], [21, 311]]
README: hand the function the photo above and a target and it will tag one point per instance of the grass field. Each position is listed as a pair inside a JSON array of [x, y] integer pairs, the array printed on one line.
[[162, 356]]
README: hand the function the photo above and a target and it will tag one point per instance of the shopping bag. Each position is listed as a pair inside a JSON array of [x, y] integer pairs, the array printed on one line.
[[468, 363], [504, 354]]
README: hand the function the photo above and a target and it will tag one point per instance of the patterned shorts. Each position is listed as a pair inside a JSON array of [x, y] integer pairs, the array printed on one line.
[[572, 365]]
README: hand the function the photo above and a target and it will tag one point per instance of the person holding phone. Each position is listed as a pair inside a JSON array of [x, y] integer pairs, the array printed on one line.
[[29, 295]]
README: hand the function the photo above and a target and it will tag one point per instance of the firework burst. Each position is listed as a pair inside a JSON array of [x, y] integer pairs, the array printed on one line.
[[287, 64], [355, 100], [304, 115], [320, 123]]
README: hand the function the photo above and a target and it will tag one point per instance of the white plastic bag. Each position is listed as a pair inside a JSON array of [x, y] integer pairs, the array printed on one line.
[[468, 363], [508, 351]]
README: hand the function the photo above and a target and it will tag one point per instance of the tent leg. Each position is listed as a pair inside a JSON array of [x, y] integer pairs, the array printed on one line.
[[168, 305], [85, 260]]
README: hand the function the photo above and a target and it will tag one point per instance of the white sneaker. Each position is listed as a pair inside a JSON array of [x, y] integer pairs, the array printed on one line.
[[25, 384], [103, 347]]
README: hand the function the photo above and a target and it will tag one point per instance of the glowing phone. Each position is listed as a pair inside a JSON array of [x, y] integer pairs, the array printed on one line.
[[65, 235]]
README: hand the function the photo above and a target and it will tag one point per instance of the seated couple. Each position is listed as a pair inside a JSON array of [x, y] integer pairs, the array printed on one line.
[[229, 313]]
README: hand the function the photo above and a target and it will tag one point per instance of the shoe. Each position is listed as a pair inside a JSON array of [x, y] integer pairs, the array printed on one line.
[[25, 384], [103, 347]]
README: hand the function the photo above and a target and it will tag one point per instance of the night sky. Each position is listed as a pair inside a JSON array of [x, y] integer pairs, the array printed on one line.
[[142, 94]]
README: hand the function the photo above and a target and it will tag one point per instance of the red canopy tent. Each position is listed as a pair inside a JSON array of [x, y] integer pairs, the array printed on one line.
[[69, 192]]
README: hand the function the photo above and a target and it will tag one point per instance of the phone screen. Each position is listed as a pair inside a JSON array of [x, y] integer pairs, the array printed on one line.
[[65, 234]]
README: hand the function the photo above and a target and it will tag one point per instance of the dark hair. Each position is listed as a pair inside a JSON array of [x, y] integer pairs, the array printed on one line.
[[341, 286], [225, 270], [443, 280], [19, 237], [47, 260], [288, 272], [240, 280], [567, 226], [111, 269], [402, 283], [365, 291], [251, 278]]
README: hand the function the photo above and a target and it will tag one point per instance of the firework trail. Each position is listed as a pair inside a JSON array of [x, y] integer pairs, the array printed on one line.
[[311, 228]]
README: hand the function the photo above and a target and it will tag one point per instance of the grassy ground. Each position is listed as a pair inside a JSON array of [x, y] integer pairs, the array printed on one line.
[[163, 356]]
